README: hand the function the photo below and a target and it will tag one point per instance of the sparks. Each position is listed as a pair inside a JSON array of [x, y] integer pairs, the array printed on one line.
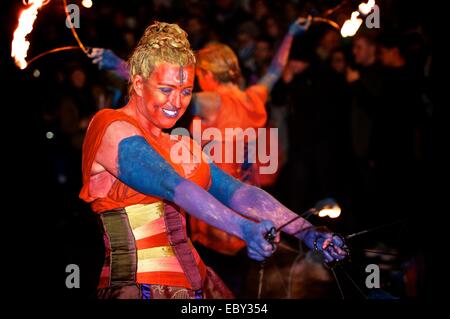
[[19, 45]]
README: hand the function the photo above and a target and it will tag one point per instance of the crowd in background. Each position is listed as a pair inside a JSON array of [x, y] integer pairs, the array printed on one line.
[[354, 114]]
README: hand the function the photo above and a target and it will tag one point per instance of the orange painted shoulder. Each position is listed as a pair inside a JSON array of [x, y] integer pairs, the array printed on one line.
[[92, 141]]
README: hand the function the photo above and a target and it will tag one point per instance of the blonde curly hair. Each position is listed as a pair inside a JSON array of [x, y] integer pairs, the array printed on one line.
[[161, 42], [221, 61]]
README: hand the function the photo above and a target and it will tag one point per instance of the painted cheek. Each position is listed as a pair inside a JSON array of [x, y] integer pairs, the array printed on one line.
[[160, 98], [154, 104], [156, 101]]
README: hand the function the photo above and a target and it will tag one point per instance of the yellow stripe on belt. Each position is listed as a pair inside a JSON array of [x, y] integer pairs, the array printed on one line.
[[140, 214]]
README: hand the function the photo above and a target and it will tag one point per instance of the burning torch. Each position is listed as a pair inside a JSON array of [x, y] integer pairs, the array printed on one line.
[[20, 45]]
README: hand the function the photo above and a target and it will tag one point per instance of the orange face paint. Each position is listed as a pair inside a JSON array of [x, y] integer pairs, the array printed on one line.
[[166, 94]]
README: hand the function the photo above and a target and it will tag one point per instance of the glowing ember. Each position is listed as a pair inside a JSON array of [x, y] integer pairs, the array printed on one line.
[[19, 45], [351, 26], [86, 3], [333, 212]]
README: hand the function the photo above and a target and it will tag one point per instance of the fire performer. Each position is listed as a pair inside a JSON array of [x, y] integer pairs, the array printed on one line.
[[140, 195], [222, 104]]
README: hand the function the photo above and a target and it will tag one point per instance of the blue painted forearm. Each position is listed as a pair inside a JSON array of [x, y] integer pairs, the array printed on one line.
[[252, 202], [278, 63], [223, 186], [110, 61], [255, 203], [280, 59]]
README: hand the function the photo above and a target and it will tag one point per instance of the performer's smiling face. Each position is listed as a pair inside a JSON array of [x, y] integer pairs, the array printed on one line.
[[164, 96]]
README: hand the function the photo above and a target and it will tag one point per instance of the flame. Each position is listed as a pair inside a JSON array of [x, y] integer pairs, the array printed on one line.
[[365, 8], [333, 212], [351, 26], [19, 45], [87, 3]]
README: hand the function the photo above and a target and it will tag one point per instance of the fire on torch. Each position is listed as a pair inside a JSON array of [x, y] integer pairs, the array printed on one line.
[[20, 45], [27, 17], [351, 26]]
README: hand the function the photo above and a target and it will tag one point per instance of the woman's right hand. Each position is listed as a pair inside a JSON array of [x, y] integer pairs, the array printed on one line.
[[258, 248]]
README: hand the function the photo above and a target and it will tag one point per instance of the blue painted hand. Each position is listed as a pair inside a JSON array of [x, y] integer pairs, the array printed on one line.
[[105, 59], [300, 26], [258, 248], [332, 246]]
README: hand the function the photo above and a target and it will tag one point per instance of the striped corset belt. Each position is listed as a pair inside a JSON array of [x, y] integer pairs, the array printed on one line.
[[147, 244]]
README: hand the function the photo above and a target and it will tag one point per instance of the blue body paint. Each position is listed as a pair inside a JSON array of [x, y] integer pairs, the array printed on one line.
[[110, 61], [142, 168], [280, 59], [223, 186], [146, 292]]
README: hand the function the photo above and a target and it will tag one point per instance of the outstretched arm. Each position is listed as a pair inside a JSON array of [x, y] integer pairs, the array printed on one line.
[[127, 155], [281, 57], [108, 60], [257, 204]]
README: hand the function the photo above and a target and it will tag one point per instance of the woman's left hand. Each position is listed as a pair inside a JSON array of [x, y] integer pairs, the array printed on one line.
[[332, 246]]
